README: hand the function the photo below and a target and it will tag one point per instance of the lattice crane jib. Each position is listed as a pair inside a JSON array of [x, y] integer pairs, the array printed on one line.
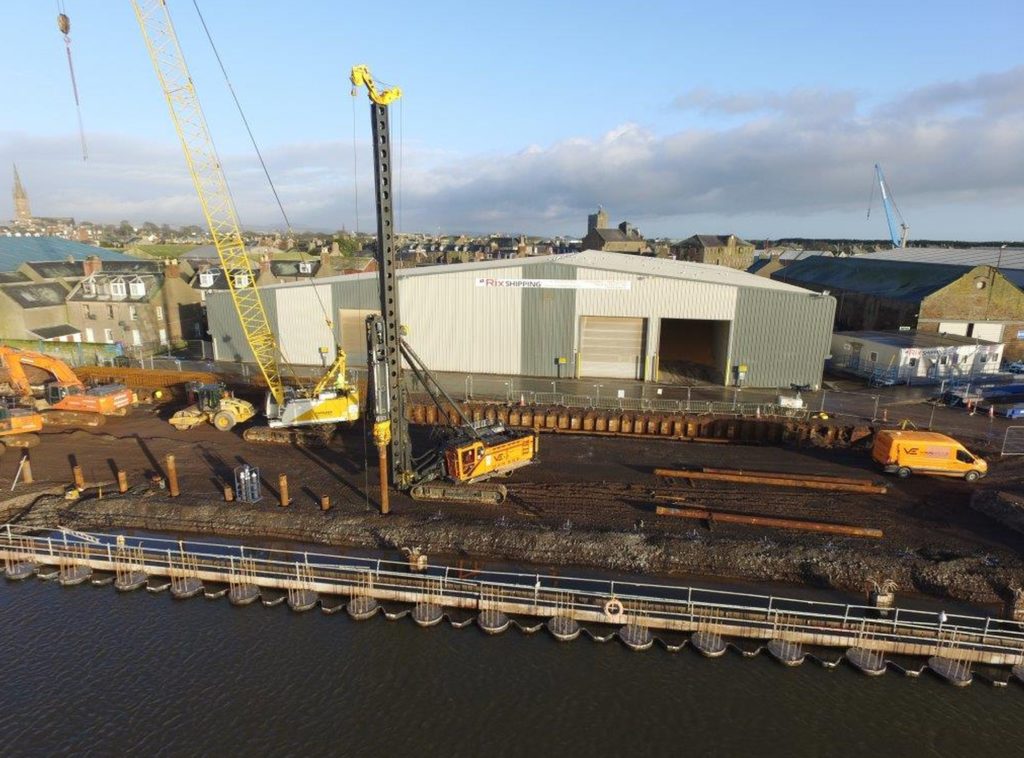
[[211, 185]]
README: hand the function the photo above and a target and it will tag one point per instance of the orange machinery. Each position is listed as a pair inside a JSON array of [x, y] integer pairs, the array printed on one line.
[[18, 427], [66, 400]]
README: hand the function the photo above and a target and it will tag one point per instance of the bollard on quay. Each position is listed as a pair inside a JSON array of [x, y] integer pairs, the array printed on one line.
[[172, 476], [76, 471], [282, 485], [229, 493], [26, 470], [122, 481], [325, 503]]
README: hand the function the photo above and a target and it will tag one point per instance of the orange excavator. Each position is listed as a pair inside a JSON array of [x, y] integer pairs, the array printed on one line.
[[65, 401], [18, 427]]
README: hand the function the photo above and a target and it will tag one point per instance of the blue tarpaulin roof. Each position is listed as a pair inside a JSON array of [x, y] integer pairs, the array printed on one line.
[[17, 250]]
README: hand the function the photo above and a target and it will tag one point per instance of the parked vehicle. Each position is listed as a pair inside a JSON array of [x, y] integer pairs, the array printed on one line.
[[905, 452], [1017, 367]]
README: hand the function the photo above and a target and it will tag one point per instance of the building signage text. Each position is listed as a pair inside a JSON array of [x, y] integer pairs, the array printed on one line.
[[559, 284]]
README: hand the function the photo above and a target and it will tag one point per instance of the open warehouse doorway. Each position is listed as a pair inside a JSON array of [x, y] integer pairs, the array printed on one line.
[[691, 349]]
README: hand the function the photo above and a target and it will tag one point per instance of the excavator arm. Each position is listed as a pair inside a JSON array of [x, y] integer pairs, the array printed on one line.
[[14, 360]]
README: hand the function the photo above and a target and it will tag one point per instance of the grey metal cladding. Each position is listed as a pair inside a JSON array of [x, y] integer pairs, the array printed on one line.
[[782, 337], [226, 331], [548, 327], [356, 294]]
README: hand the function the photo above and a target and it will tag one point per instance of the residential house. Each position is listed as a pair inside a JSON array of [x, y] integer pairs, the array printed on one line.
[[728, 250], [35, 310]]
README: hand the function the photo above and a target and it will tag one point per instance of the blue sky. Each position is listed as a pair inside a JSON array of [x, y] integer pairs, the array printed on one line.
[[762, 119]]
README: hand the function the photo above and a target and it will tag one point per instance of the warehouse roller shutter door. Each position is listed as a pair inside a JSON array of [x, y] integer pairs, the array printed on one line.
[[612, 347]]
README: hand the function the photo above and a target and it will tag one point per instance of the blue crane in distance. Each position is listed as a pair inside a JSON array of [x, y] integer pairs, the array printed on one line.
[[897, 233]]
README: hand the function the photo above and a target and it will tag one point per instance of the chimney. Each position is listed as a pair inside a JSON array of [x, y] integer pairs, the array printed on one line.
[[265, 265], [325, 258], [172, 270], [92, 265]]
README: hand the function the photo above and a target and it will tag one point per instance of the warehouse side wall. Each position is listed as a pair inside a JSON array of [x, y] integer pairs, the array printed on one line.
[[229, 343], [548, 327], [782, 337]]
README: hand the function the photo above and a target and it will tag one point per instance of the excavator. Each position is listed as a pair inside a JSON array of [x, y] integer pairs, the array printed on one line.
[[295, 414], [65, 401], [455, 469], [18, 427]]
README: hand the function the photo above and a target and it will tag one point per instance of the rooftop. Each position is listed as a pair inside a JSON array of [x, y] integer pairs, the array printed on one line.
[[913, 338], [898, 280], [1007, 257], [36, 294], [57, 269], [17, 250], [621, 263], [51, 332]]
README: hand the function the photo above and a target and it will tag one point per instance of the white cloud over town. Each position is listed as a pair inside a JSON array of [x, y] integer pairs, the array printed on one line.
[[751, 158]]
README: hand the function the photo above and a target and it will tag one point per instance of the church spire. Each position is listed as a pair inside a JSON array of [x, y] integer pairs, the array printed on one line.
[[22, 211]]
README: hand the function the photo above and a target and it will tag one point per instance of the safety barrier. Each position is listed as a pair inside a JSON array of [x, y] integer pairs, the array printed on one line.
[[652, 606]]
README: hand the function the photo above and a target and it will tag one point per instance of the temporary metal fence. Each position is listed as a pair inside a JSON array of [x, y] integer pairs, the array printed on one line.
[[1013, 441], [663, 606]]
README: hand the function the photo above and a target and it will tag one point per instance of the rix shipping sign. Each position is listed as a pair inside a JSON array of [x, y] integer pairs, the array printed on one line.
[[558, 284]]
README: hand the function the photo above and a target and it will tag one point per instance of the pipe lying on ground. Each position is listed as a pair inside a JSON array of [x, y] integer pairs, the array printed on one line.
[[785, 475], [772, 480], [703, 514]]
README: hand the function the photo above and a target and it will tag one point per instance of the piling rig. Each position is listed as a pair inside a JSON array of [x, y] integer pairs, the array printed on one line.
[[452, 470]]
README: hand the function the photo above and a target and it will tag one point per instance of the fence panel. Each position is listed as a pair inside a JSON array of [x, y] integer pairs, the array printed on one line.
[[1013, 441]]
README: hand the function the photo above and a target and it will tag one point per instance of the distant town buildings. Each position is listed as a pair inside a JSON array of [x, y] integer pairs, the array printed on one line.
[[728, 250], [624, 239]]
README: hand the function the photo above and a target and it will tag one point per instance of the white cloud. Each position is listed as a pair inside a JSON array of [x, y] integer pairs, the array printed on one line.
[[789, 157]]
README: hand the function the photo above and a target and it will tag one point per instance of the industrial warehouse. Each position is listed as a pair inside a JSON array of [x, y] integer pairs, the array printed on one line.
[[582, 315]]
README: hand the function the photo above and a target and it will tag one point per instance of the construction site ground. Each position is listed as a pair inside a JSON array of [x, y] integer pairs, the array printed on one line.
[[589, 502]]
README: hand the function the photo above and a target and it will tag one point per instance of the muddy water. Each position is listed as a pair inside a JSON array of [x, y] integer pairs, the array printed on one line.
[[87, 670]]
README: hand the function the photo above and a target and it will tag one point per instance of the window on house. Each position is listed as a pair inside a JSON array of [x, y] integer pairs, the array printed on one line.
[[117, 288], [137, 288], [206, 279], [159, 313], [110, 312], [872, 356], [305, 267], [964, 358], [89, 287], [943, 360], [241, 280], [133, 313], [108, 335]]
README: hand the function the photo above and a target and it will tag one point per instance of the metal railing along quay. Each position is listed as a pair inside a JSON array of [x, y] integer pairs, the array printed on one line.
[[631, 607]]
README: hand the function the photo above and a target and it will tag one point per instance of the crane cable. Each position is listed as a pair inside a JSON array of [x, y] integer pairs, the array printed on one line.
[[64, 24], [263, 164]]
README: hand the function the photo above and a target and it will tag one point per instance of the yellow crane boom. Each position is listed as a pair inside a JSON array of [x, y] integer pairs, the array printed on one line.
[[211, 185]]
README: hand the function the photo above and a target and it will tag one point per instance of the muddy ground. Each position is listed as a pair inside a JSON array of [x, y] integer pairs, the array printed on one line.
[[589, 503]]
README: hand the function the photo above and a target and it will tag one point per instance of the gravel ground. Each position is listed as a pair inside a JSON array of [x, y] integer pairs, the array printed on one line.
[[589, 502]]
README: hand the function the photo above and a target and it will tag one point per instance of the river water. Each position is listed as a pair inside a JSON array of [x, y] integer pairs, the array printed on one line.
[[87, 670]]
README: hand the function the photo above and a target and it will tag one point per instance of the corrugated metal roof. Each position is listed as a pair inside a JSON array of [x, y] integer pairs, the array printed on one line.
[[17, 250], [1007, 257], [913, 338], [623, 263], [898, 280]]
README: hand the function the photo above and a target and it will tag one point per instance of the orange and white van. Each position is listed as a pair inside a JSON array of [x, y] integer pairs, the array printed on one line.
[[904, 453]]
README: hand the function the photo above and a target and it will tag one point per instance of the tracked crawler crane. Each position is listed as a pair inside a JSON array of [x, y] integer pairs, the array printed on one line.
[[289, 407], [453, 470]]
